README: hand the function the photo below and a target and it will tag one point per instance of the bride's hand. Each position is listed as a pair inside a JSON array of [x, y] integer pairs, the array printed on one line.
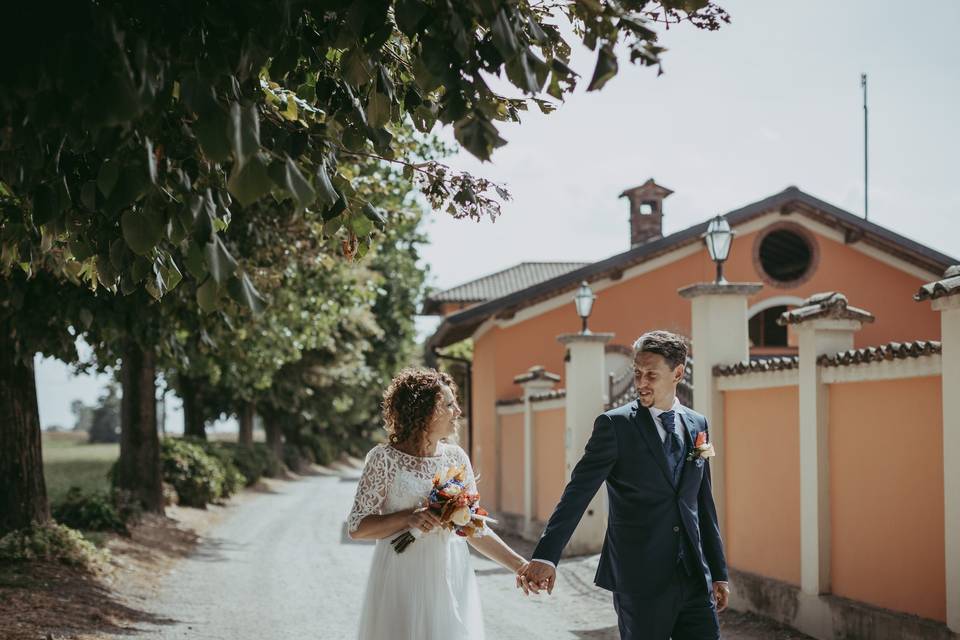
[[423, 520]]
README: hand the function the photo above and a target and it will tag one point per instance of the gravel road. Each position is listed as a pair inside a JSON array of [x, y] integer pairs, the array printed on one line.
[[281, 566]]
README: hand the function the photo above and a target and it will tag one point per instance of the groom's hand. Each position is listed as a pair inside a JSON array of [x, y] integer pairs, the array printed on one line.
[[537, 577], [721, 594]]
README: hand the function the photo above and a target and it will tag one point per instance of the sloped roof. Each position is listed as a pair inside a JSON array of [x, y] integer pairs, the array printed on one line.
[[499, 284], [458, 326]]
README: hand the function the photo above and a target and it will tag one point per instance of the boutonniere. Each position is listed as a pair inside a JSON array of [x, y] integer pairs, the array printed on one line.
[[701, 449]]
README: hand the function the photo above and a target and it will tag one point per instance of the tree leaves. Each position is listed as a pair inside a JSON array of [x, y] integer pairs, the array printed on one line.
[[142, 230], [241, 289], [287, 176], [606, 68], [478, 136], [325, 191], [214, 135], [107, 177], [221, 264], [244, 126], [378, 110], [208, 295], [251, 181]]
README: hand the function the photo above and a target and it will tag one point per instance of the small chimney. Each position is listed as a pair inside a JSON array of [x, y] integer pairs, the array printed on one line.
[[646, 212]]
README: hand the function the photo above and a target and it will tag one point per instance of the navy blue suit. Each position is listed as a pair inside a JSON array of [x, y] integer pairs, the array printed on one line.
[[662, 548]]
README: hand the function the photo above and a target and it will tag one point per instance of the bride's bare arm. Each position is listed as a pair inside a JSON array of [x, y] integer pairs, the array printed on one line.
[[497, 550], [375, 527]]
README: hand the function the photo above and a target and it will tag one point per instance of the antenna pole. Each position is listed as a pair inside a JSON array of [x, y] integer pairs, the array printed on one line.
[[866, 206]]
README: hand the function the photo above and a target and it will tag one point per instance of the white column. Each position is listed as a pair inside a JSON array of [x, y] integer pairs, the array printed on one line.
[[950, 379], [720, 336], [586, 399], [535, 381], [945, 298], [816, 338]]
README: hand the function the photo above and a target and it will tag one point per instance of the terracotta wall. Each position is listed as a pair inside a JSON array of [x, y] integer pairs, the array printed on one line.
[[886, 488], [511, 463], [485, 462], [549, 434], [761, 458]]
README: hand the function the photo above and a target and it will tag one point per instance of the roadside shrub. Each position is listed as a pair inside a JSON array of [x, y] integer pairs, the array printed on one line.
[[273, 466], [198, 478], [95, 511], [52, 542], [233, 479], [296, 457]]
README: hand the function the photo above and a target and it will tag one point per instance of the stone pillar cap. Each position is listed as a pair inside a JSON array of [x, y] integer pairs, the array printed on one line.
[[948, 286], [536, 373], [570, 338], [719, 289], [829, 305]]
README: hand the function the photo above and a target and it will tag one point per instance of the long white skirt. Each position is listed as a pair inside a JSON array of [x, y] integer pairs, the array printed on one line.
[[428, 592]]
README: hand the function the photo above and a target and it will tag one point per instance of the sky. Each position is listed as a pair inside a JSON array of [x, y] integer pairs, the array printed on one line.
[[769, 101]]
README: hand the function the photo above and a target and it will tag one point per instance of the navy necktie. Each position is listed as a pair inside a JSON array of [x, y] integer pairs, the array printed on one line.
[[672, 445]]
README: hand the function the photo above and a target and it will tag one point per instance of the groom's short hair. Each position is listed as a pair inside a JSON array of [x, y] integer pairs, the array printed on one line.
[[672, 346]]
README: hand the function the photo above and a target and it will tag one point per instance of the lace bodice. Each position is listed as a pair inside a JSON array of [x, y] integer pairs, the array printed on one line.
[[393, 480]]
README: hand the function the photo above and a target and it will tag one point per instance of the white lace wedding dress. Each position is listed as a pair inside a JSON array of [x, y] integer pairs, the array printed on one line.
[[428, 592]]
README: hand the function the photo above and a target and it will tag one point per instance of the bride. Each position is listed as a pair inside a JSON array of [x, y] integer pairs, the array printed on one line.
[[429, 591]]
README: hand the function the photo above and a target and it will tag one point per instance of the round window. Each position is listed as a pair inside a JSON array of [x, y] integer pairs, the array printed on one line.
[[785, 255]]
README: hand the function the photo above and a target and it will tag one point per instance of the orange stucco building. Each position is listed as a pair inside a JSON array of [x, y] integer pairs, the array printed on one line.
[[793, 243]]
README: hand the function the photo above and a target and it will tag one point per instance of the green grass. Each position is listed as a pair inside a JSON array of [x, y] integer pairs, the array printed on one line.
[[69, 461]]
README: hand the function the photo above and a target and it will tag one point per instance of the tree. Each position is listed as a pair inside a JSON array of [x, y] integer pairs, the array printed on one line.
[[134, 135], [105, 419]]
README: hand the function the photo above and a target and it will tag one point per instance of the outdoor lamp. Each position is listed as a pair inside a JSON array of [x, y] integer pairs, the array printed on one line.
[[718, 238], [584, 301]]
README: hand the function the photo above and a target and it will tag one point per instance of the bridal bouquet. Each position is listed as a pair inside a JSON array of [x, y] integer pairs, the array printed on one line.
[[459, 511]]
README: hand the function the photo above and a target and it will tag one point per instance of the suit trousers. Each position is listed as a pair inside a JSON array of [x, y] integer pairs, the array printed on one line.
[[684, 611]]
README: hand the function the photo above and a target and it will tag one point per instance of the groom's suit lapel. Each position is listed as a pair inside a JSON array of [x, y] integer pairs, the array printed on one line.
[[648, 431]]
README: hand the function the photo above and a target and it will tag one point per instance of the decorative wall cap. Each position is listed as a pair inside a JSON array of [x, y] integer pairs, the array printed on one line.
[[569, 338], [536, 373], [764, 365], [509, 402], [714, 289], [889, 351], [948, 286], [828, 305], [549, 395]]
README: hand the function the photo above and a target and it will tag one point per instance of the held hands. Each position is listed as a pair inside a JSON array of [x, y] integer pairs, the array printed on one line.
[[423, 520], [536, 577]]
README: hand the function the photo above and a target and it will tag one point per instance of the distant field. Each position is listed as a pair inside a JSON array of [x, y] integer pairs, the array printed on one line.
[[69, 461]]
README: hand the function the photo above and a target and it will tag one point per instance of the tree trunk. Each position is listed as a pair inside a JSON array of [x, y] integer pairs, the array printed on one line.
[[245, 438], [194, 424], [274, 437], [23, 491], [138, 469]]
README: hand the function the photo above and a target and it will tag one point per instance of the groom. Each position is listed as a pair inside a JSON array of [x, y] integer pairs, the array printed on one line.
[[662, 557]]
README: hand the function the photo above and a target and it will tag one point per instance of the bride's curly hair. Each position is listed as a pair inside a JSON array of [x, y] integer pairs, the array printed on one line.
[[410, 402]]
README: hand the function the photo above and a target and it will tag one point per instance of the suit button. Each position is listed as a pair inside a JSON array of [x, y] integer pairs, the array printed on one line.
[[676, 529]]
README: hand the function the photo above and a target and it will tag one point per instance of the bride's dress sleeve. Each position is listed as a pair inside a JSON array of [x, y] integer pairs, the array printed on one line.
[[378, 472], [471, 482]]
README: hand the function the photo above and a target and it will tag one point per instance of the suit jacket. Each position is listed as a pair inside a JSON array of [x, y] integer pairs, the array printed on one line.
[[649, 517]]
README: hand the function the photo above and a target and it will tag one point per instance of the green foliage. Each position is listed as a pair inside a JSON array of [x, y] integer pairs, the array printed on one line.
[[105, 425], [50, 542], [233, 479], [199, 478], [252, 462], [98, 511], [141, 127]]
